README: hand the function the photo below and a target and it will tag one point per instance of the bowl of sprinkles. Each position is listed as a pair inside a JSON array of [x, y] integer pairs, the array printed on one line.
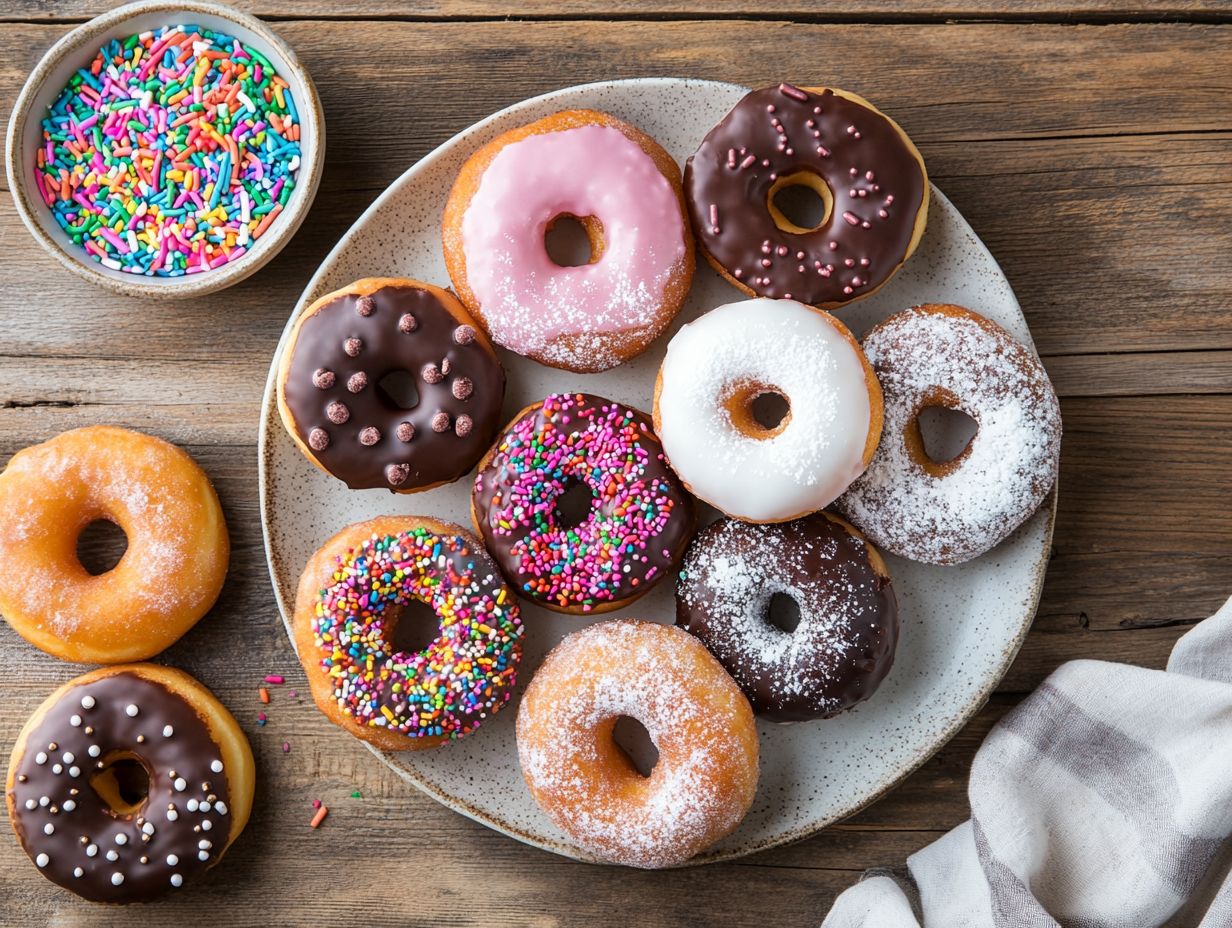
[[166, 149]]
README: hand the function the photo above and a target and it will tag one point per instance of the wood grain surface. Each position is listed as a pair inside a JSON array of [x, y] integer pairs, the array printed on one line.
[[1088, 142]]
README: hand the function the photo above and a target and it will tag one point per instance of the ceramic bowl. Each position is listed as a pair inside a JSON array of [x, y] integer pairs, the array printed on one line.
[[76, 50]]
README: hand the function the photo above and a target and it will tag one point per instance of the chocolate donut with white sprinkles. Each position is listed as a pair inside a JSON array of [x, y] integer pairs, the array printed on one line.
[[336, 402], [867, 173]]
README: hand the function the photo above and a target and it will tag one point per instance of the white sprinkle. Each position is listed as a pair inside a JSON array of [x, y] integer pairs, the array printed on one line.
[[92, 850], [207, 825], [112, 855], [40, 758], [193, 805], [42, 860], [172, 815], [94, 750], [69, 805], [117, 878], [172, 860], [74, 771], [216, 766], [68, 757], [180, 784], [220, 807], [49, 829], [176, 880], [57, 768], [204, 806], [204, 844], [130, 710], [121, 839], [168, 731], [203, 855], [78, 872], [75, 721], [148, 828], [87, 702], [44, 801]]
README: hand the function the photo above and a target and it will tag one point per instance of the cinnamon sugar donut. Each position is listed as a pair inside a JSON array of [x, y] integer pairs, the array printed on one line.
[[706, 775], [866, 171], [625, 190], [169, 576], [947, 512], [715, 370], [844, 644]]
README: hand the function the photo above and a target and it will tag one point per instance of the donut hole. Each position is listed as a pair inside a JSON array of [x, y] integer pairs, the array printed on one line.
[[398, 389], [800, 203], [101, 546], [758, 410], [783, 612], [411, 628], [940, 435], [634, 741], [574, 505], [573, 241], [122, 783]]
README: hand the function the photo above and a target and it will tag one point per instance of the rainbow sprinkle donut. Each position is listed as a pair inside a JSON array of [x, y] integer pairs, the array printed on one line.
[[640, 517], [350, 598]]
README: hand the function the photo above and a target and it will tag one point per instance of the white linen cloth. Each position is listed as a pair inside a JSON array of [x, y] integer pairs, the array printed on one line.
[[1103, 800]]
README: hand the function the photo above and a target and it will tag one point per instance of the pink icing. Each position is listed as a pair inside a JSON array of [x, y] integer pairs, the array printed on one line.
[[527, 300]]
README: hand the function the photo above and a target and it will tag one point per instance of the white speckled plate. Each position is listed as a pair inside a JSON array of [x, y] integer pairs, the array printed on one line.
[[961, 625]]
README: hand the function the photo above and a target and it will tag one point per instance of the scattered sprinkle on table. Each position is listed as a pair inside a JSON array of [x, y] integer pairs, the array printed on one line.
[[261, 718], [171, 152], [357, 795], [275, 679], [264, 694], [286, 747], [319, 817]]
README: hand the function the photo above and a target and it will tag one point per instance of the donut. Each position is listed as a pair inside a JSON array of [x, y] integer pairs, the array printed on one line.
[[843, 646], [625, 190], [335, 405], [350, 598], [129, 782], [706, 774], [868, 174], [947, 512], [640, 518], [712, 379], [169, 576]]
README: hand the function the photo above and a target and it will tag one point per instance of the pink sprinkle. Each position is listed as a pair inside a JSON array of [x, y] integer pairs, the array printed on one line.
[[274, 678], [316, 803], [794, 92], [286, 747], [851, 218], [749, 161]]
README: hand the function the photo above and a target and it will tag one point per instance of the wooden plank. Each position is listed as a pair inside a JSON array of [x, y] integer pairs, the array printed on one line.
[[844, 11]]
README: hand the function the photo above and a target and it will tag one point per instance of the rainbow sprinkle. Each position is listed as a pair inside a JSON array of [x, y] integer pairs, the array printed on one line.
[[609, 447], [467, 673], [171, 153]]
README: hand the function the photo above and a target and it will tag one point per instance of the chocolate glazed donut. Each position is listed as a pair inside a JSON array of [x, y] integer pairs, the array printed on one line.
[[335, 407], [868, 174], [844, 644]]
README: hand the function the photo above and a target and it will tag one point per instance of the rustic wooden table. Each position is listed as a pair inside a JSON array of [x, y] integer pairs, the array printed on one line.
[[1088, 142]]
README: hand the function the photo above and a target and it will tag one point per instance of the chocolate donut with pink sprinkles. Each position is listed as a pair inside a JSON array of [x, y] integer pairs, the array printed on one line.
[[638, 524]]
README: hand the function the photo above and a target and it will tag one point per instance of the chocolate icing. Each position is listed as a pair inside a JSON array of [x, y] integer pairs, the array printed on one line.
[[876, 181], [844, 645], [649, 566], [85, 828], [354, 428]]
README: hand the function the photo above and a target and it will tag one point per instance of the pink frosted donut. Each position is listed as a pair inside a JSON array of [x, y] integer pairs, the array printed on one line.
[[623, 187]]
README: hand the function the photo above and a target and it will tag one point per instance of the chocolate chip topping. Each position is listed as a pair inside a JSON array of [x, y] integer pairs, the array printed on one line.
[[464, 334], [370, 435], [845, 642], [352, 346], [67, 828], [440, 422], [463, 426], [396, 474], [357, 381], [431, 374], [461, 388], [434, 456], [323, 379], [318, 439], [365, 306], [876, 182]]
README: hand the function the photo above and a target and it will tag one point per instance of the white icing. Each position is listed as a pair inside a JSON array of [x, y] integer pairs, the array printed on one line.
[[801, 354], [1013, 458]]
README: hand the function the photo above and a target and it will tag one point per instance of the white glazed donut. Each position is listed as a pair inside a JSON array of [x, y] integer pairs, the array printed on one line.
[[718, 366], [947, 512]]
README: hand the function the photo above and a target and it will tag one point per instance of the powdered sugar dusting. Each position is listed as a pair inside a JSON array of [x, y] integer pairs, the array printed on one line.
[[704, 780], [1013, 459]]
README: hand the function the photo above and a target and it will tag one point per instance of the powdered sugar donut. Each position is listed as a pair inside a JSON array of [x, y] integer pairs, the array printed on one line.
[[706, 774], [947, 512], [843, 646], [626, 191], [715, 371]]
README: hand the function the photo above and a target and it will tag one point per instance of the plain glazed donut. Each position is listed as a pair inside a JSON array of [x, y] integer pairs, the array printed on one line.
[[844, 644], [333, 404], [706, 774], [952, 511], [351, 595], [867, 173], [625, 190], [76, 816], [640, 518], [714, 371], [169, 576]]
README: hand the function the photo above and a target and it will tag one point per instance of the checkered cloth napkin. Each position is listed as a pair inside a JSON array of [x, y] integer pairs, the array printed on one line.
[[1104, 800]]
